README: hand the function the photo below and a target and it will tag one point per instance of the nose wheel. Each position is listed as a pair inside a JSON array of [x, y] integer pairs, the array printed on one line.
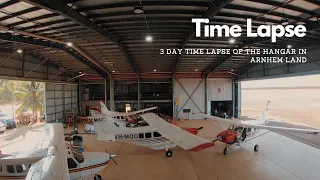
[[169, 153], [256, 148], [97, 177], [226, 151]]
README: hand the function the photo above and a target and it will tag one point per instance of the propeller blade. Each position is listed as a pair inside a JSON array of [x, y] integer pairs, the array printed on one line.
[[200, 128], [114, 161]]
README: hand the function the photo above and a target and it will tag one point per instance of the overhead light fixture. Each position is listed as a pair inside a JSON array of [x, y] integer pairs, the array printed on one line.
[[79, 72], [196, 69], [149, 38], [231, 70], [289, 46], [232, 41], [69, 44], [113, 71], [19, 51], [284, 21], [138, 10], [154, 70]]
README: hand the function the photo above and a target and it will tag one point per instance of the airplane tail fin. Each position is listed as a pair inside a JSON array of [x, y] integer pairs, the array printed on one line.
[[265, 114], [104, 108]]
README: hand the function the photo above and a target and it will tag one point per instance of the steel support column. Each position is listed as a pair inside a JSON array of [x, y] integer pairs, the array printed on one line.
[[22, 65], [233, 97], [105, 91], [64, 103], [112, 108], [206, 95], [173, 98], [79, 97], [139, 106]]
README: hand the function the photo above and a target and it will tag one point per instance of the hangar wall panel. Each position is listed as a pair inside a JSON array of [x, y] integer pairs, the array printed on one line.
[[219, 89], [58, 98], [183, 91]]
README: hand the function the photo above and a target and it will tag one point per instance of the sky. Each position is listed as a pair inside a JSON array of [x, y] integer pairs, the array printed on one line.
[[297, 81]]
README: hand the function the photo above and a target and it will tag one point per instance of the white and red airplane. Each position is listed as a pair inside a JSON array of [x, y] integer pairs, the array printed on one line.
[[51, 159], [119, 117], [158, 135], [240, 131]]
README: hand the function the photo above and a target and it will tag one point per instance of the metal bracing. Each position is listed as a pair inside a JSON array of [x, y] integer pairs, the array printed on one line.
[[215, 7], [189, 96], [39, 42], [70, 13]]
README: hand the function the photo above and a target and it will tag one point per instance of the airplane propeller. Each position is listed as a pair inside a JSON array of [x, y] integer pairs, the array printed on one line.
[[111, 156]]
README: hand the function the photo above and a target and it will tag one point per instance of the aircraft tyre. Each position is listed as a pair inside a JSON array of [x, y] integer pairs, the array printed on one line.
[[256, 148], [97, 177], [169, 153], [225, 151]]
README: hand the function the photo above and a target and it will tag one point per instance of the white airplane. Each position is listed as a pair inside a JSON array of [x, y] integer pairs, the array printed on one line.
[[120, 117], [53, 160], [245, 131], [158, 135]]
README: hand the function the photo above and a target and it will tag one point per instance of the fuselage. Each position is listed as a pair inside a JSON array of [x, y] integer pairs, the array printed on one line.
[[236, 134], [89, 164]]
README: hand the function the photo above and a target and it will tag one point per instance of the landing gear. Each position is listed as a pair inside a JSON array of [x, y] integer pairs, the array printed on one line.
[[256, 148], [169, 153], [97, 177], [225, 151]]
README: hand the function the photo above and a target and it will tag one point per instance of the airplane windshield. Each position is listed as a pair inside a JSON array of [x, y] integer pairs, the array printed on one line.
[[238, 129]]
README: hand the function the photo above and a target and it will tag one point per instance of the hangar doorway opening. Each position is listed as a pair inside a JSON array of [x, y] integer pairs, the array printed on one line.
[[294, 100], [21, 102], [222, 109]]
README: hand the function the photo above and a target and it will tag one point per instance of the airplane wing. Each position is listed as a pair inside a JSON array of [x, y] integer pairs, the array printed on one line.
[[271, 128], [130, 113], [177, 135]]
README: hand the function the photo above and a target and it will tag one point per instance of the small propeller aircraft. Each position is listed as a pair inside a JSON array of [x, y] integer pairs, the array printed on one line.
[[53, 160], [158, 135], [241, 131], [120, 117]]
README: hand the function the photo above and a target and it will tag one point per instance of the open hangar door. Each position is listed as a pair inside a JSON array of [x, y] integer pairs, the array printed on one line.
[[58, 99]]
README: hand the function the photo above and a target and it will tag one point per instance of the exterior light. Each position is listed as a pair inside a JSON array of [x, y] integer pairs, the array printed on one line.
[[19, 51], [149, 38]]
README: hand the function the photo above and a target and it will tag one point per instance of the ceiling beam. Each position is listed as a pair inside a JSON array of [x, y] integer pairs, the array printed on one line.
[[213, 10], [70, 13], [145, 3], [39, 42]]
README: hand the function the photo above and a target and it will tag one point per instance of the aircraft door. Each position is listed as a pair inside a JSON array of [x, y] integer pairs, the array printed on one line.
[[244, 134]]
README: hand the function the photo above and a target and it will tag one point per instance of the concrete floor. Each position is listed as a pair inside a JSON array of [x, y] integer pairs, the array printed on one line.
[[279, 158]]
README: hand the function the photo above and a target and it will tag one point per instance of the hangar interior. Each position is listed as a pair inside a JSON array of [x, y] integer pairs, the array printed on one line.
[[88, 51]]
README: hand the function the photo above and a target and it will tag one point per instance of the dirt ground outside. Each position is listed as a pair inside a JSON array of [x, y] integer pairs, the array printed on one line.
[[299, 106]]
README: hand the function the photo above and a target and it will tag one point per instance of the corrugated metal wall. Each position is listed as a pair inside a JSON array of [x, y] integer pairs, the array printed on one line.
[[219, 89], [190, 86], [59, 97]]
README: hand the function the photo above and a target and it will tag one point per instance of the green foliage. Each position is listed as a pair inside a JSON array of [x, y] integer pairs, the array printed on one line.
[[30, 93]]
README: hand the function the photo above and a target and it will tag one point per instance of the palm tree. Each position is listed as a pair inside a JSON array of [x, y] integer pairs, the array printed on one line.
[[32, 94]]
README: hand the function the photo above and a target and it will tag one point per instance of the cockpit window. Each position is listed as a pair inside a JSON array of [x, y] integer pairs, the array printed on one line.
[[21, 168], [230, 127], [238, 129]]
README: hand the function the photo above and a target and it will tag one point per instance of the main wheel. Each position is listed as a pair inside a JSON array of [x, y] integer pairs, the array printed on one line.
[[225, 151], [97, 177], [168, 153], [256, 148]]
